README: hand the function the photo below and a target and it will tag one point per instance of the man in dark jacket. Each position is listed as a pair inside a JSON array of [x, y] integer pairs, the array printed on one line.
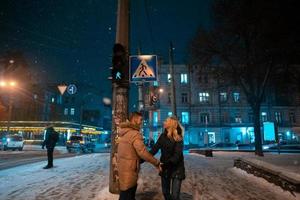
[[50, 141]]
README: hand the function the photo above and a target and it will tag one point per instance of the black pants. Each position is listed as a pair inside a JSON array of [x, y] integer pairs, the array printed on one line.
[[128, 194], [50, 156], [171, 188]]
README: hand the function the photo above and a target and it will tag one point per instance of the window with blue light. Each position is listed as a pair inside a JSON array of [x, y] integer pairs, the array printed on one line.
[[155, 118], [238, 118], [155, 83], [223, 96], [203, 97], [185, 117], [236, 97], [264, 116], [183, 78], [169, 78], [72, 111], [170, 114], [66, 111]]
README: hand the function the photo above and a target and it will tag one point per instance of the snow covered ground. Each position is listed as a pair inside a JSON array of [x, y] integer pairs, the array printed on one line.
[[86, 177]]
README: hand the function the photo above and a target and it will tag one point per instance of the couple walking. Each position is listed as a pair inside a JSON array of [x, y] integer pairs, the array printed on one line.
[[132, 152]]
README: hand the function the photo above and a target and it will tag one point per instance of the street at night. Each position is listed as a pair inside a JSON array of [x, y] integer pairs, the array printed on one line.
[[86, 177]]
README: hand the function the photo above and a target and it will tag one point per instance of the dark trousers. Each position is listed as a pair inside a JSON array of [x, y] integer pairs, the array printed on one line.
[[171, 188], [128, 194], [50, 156]]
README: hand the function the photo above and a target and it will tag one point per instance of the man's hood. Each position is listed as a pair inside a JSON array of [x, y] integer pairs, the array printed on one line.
[[126, 127]]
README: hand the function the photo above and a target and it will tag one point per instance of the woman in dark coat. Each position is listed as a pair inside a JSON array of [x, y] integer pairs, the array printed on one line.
[[171, 145]]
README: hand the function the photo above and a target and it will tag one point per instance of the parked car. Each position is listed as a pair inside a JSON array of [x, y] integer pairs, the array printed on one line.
[[224, 146], [12, 142], [80, 143]]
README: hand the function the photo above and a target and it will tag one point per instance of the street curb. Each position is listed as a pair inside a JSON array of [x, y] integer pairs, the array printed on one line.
[[286, 180]]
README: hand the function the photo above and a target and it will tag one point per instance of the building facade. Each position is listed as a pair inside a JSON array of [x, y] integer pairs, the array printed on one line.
[[214, 112]]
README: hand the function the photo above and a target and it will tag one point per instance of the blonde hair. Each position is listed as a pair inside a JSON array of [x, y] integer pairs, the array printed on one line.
[[172, 130]]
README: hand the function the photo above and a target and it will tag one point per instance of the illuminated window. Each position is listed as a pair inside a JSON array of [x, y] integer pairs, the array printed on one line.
[[155, 118], [66, 111], [52, 99], [204, 97], [223, 96], [183, 78], [155, 83], [264, 116], [72, 111], [170, 114], [169, 78], [185, 117], [236, 97], [238, 118]]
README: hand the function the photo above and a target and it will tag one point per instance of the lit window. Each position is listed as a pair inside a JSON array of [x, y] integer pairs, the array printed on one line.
[[66, 111], [236, 97], [264, 116], [204, 118], [52, 99], [278, 117], [184, 78], [203, 97], [155, 118], [170, 114], [155, 83], [72, 111], [185, 117], [169, 78], [223, 96], [238, 119]]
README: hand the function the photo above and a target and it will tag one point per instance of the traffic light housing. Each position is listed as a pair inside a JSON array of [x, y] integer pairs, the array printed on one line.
[[120, 65], [154, 96]]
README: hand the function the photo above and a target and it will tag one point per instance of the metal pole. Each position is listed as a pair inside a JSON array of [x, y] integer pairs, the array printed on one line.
[[10, 104], [171, 68], [120, 94]]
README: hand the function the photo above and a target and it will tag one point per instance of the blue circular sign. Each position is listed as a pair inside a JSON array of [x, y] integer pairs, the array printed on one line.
[[72, 89]]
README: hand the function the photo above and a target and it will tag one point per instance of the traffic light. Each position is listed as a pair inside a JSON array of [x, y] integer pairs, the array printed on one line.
[[154, 96], [120, 66]]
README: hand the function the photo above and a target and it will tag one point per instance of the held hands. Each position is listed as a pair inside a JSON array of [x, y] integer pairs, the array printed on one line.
[[159, 167]]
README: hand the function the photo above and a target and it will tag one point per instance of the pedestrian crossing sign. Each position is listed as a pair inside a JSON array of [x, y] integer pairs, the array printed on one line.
[[143, 68]]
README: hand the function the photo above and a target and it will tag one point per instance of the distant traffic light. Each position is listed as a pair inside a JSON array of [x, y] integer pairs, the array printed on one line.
[[120, 65]]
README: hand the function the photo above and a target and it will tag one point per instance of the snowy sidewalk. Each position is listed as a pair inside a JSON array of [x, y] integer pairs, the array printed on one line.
[[86, 177]]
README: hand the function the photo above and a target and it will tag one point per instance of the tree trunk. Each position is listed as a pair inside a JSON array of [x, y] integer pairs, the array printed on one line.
[[257, 131]]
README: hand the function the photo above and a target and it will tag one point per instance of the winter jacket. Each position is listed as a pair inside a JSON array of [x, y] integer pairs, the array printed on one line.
[[171, 156], [51, 138], [131, 149]]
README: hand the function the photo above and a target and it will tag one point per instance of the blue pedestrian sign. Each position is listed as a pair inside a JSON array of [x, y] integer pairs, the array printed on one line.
[[143, 68], [72, 89]]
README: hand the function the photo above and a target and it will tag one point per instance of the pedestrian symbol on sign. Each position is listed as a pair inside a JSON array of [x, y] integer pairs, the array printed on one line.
[[143, 70]]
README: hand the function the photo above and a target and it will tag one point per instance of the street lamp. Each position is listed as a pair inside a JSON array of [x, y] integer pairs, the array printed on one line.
[[10, 85]]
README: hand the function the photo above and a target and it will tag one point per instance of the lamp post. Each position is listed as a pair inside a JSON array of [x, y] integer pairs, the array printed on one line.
[[10, 85]]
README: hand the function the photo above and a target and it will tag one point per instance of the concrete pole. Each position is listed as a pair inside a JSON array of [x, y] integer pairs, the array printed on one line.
[[120, 94], [171, 68]]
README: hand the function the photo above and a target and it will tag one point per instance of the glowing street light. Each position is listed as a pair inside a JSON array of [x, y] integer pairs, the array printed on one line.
[[161, 90]]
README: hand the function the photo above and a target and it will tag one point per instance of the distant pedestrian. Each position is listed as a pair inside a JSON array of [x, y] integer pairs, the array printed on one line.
[[50, 141], [131, 149], [171, 145]]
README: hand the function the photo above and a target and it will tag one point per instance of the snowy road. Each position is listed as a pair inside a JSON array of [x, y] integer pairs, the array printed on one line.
[[86, 177]]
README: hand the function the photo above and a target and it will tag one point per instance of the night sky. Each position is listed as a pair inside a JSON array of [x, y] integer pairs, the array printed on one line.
[[72, 40]]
